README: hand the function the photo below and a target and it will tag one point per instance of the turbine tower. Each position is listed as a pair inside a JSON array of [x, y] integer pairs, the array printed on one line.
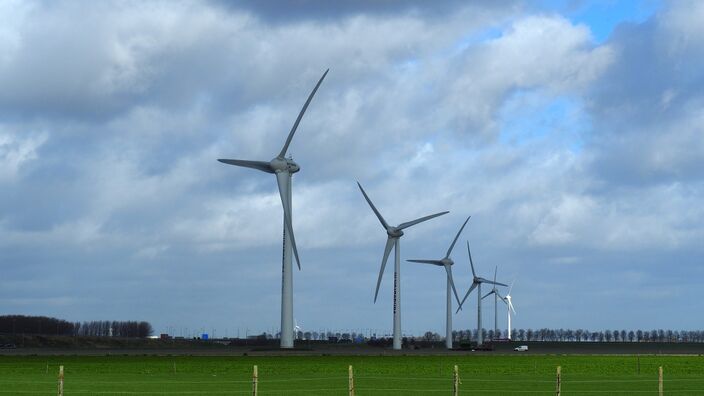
[[284, 168], [393, 241], [497, 296], [447, 263], [477, 283], [509, 308]]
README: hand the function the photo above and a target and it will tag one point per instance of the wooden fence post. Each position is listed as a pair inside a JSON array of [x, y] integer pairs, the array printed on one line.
[[61, 380], [558, 389], [660, 387], [456, 382], [255, 381], [351, 381]]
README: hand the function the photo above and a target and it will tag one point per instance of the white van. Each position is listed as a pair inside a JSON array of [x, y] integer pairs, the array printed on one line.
[[521, 348]]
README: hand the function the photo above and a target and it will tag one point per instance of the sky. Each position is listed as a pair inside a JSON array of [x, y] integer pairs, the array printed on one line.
[[571, 131]]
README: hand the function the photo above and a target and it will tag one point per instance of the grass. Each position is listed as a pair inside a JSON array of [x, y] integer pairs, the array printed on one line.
[[327, 375]]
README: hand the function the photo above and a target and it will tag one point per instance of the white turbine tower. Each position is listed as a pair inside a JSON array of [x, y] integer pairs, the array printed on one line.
[[477, 283], [284, 168], [509, 308], [447, 263], [393, 241]]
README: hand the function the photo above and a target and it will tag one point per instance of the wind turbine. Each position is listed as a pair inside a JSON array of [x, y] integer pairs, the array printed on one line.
[[296, 328], [509, 308], [497, 296], [477, 283], [447, 263], [284, 168], [393, 240]]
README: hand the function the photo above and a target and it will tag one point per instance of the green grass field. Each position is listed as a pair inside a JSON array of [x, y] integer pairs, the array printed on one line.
[[327, 375]]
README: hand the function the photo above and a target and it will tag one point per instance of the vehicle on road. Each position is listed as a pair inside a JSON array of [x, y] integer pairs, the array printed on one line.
[[521, 348]]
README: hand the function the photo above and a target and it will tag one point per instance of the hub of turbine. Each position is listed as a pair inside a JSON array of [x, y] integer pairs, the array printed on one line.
[[447, 261], [394, 232], [284, 164]]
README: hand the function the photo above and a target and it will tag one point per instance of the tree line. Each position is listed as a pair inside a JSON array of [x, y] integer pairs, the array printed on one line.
[[545, 334], [581, 335], [42, 325]]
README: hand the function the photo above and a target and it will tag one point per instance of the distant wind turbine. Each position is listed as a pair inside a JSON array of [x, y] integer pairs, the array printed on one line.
[[477, 283], [447, 263], [509, 308], [296, 328], [284, 168], [497, 296], [393, 241]]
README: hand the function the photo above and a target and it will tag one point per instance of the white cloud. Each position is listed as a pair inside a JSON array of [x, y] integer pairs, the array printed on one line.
[[546, 52], [16, 151]]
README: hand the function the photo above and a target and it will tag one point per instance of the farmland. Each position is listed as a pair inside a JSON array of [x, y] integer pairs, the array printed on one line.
[[327, 375]]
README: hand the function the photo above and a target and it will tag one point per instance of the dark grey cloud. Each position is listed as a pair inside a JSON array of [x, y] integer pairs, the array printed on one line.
[[328, 11], [647, 106]]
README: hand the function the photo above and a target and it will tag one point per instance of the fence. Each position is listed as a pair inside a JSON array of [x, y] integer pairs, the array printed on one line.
[[451, 385]]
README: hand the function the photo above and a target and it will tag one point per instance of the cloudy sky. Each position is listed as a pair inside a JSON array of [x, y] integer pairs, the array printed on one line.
[[571, 131]]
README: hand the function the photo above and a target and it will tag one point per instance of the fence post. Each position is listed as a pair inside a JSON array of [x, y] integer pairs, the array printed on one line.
[[255, 381], [351, 381], [61, 380], [559, 381], [660, 387], [456, 382]]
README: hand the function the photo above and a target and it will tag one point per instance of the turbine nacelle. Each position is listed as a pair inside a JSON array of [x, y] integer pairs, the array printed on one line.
[[284, 165], [394, 232]]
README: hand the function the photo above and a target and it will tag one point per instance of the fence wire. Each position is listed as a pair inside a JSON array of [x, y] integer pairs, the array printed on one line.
[[45, 384]]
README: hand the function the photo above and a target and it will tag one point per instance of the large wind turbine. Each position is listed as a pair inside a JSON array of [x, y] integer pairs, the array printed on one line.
[[394, 234], [447, 263], [509, 308], [497, 296], [477, 283], [284, 168]]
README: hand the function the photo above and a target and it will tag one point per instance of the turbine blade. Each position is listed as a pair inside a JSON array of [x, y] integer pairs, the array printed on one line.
[[258, 165], [282, 180], [488, 294], [495, 269], [300, 115], [376, 212], [470, 260], [474, 285], [504, 300], [447, 255], [434, 262], [387, 251], [422, 219], [492, 282], [510, 305], [448, 269], [510, 287]]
